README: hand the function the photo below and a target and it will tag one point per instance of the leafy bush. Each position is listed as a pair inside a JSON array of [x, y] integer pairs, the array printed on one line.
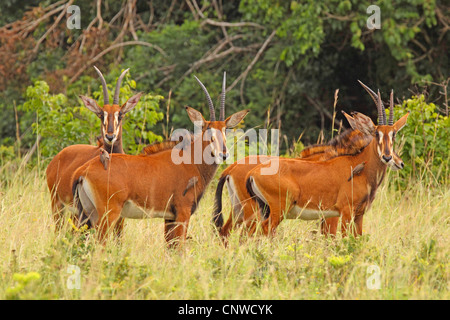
[[425, 140], [61, 125]]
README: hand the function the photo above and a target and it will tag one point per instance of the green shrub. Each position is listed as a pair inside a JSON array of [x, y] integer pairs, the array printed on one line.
[[61, 125], [424, 141]]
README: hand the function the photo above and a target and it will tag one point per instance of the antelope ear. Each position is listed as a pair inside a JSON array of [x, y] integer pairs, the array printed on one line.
[[401, 122], [363, 123], [350, 120], [233, 120], [195, 116], [92, 105], [131, 103]]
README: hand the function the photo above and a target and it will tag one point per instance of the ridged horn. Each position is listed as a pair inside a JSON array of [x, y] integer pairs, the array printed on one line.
[[222, 98], [208, 98], [391, 109], [381, 111], [105, 88], [376, 98], [118, 84]]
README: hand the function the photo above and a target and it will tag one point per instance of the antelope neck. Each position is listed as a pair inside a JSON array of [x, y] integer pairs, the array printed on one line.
[[374, 168], [205, 170], [115, 148]]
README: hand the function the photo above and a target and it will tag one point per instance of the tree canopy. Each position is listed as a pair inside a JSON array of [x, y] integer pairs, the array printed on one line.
[[284, 59]]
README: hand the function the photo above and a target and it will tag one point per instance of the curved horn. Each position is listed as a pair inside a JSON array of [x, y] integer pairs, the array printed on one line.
[[380, 107], [381, 111], [372, 94], [208, 98], [105, 88], [222, 98], [391, 109], [117, 90]]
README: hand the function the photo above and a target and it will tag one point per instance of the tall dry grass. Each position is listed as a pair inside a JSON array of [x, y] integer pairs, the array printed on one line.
[[406, 236]]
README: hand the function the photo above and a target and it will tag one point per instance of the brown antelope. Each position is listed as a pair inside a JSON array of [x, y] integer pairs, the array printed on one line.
[[155, 186], [244, 208], [319, 190], [63, 165]]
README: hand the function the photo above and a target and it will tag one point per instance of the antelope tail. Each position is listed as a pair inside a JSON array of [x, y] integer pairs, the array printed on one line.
[[87, 213], [217, 213], [82, 218], [263, 207]]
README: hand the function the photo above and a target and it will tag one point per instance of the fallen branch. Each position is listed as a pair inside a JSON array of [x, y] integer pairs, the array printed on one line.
[[35, 23], [54, 25], [115, 46], [214, 56], [31, 151], [255, 59], [231, 24], [319, 108]]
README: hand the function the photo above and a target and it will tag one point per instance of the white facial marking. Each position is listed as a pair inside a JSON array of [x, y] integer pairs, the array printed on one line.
[[216, 145], [116, 118], [380, 139], [116, 125]]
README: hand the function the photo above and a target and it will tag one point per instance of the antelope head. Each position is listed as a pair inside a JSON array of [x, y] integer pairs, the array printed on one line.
[[214, 131], [383, 133], [111, 114]]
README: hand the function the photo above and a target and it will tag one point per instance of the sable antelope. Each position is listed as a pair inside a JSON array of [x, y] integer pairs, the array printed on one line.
[[153, 186], [319, 190], [63, 165], [244, 208]]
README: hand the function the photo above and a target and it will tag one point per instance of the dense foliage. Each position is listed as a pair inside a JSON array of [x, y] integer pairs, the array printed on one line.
[[424, 141], [284, 61], [61, 125]]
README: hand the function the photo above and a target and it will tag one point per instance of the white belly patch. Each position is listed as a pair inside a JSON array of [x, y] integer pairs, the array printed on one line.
[[131, 210], [310, 214]]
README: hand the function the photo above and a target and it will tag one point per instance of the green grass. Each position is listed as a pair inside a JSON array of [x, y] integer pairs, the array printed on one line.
[[406, 234]]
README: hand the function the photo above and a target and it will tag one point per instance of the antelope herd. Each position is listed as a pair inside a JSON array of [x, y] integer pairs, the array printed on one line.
[[334, 183]]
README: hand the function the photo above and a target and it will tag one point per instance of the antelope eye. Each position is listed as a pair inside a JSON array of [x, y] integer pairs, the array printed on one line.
[[213, 139]]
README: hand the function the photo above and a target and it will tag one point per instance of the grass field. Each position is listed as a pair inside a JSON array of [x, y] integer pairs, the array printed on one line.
[[406, 238]]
